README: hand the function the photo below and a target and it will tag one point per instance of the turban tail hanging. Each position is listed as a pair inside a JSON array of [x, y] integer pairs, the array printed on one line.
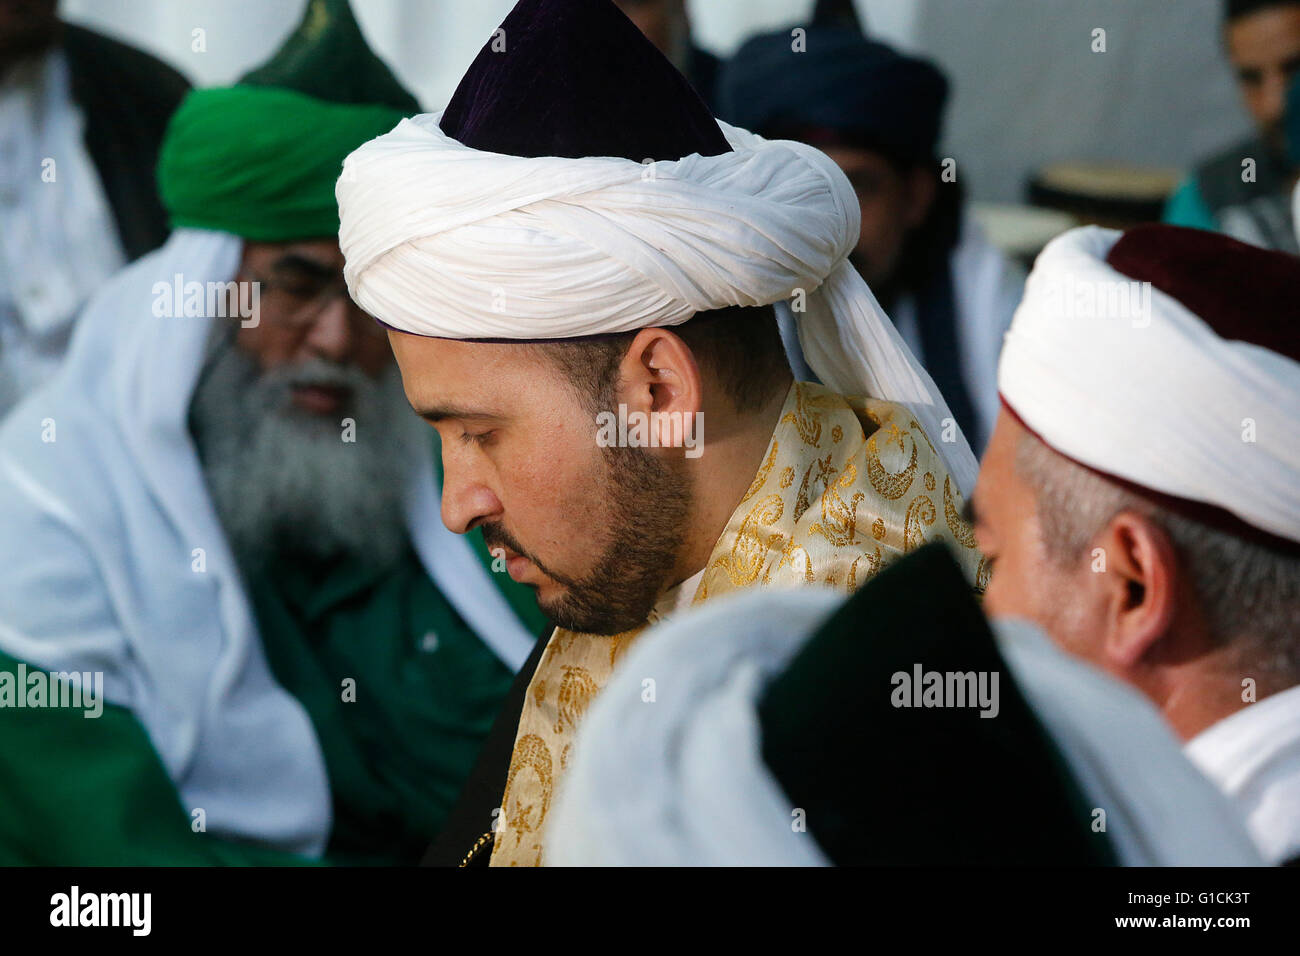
[[840, 89], [445, 240]]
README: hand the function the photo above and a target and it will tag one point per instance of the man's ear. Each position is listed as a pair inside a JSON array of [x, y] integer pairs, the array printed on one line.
[[1141, 582], [659, 374]]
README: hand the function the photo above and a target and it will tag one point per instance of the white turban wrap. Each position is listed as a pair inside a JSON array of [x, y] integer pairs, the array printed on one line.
[[444, 240], [1144, 390]]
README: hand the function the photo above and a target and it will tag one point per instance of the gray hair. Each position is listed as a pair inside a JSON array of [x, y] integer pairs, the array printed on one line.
[[1249, 593], [284, 482]]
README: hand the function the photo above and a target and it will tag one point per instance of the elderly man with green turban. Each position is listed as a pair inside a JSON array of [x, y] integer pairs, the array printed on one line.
[[233, 628]]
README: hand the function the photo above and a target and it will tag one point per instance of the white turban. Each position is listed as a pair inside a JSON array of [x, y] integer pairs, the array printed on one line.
[[1130, 382], [444, 240]]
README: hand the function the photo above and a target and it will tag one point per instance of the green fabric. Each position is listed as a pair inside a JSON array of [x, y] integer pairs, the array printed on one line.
[[260, 159], [78, 791], [93, 792], [260, 162], [1186, 208], [326, 57], [426, 692]]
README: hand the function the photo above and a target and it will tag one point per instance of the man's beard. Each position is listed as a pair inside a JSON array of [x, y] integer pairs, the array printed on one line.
[[650, 504], [284, 483]]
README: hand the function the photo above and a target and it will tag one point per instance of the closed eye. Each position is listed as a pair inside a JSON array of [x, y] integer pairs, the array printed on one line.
[[476, 438]]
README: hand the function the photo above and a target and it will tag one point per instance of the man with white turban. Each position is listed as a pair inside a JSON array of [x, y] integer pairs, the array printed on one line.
[[1140, 498], [579, 269]]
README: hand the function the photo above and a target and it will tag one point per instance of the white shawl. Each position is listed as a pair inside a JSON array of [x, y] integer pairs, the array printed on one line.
[[98, 528], [681, 781]]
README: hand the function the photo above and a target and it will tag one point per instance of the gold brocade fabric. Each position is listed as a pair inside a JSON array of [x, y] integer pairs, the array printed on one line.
[[846, 486]]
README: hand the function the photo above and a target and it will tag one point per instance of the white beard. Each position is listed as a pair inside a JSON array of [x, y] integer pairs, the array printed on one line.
[[283, 480]]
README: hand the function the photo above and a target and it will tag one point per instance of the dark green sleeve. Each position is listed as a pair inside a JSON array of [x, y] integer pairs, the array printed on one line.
[[91, 791]]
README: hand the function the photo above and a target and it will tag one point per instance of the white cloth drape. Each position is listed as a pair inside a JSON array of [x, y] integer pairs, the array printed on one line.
[[680, 779], [444, 240], [98, 531], [115, 560], [59, 241], [1149, 392], [1254, 757]]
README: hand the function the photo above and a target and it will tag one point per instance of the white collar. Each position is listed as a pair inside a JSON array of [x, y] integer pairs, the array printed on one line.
[[1254, 757]]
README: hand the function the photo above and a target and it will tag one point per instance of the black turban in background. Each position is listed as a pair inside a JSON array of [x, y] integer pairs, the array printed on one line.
[[841, 89], [834, 87]]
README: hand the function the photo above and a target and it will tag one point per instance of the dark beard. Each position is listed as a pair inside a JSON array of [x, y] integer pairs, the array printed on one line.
[[651, 505]]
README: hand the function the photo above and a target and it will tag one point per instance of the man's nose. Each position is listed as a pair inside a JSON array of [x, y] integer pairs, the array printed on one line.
[[466, 501], [332, 335]]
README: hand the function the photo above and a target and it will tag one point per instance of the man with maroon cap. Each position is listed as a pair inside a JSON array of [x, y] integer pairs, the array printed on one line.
[[1140, 497]]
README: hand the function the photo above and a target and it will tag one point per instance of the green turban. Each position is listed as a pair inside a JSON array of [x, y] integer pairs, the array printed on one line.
[[260, 159]]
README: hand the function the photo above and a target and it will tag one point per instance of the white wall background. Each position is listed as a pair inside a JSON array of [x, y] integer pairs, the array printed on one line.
[[1027, 87]]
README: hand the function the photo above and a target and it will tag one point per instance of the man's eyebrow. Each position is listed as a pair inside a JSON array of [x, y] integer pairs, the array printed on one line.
[[439, 413], [293, 262]]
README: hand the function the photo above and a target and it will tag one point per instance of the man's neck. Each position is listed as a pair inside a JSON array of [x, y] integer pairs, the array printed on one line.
[[734, 446], [1209, 690]]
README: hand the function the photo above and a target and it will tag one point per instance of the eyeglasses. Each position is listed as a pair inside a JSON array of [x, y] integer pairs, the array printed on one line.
[[305, 298]]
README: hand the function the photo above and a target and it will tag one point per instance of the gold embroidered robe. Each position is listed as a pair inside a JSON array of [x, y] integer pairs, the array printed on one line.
[[846, 486]]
